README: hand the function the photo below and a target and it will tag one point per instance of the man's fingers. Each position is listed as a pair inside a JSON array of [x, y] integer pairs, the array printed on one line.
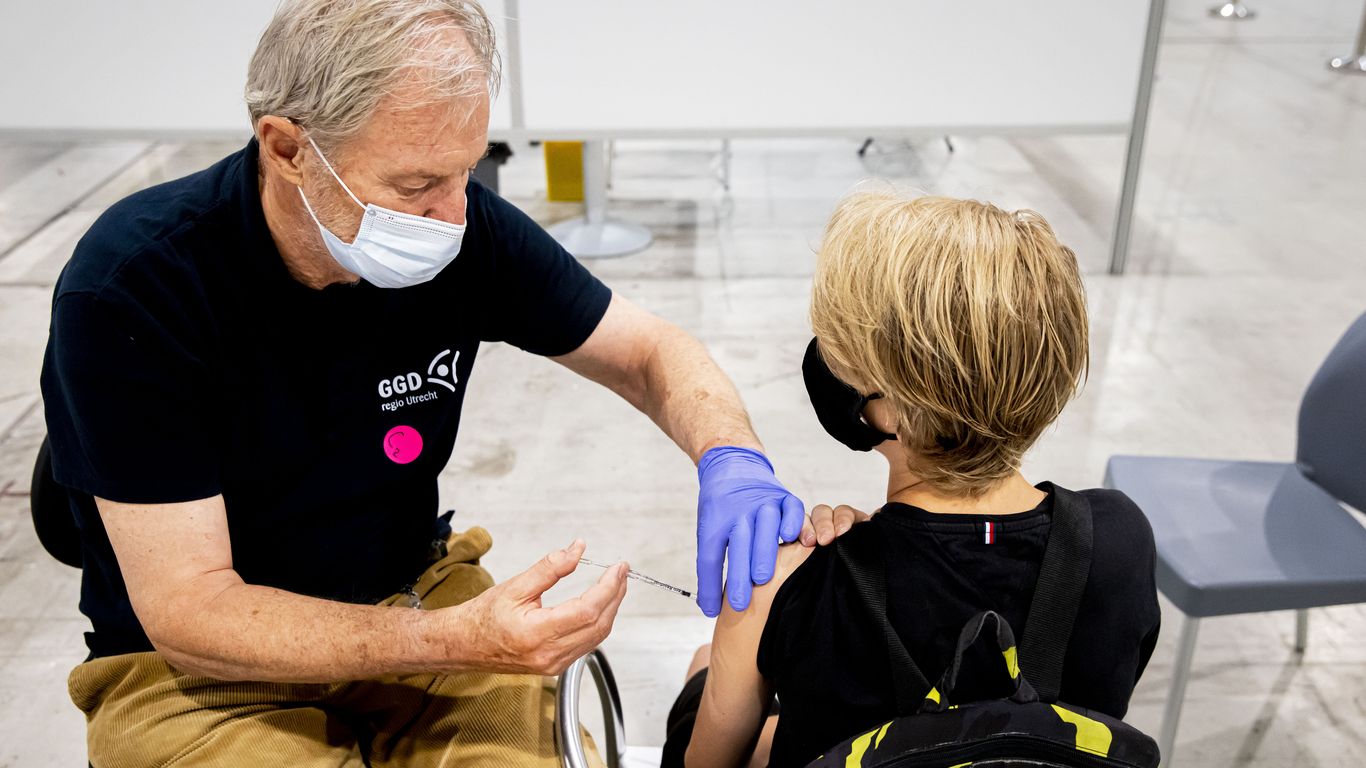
[[830, 523], [793, 514], [710, 551], [738, 552], [823, 521], [764, 556], [845, 518], [574, 628], [534, 581], [808, 534], [587, 610]]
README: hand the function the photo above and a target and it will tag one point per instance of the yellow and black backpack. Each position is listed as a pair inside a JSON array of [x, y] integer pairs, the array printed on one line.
[[1028, 728]]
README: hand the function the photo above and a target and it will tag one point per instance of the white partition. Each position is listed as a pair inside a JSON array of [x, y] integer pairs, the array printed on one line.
[[620, 68], [166, 68]]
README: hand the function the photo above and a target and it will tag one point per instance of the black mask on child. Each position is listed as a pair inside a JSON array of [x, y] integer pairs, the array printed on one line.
[[838, 405]]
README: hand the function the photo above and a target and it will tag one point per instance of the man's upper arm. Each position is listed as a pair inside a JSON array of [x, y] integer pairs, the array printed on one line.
[[129, 415], [539, 298], [129, 406], [169, 553]]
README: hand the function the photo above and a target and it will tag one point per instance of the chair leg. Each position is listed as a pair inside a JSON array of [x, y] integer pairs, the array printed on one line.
[[725, 164], [1301, 630], [1185, 649]]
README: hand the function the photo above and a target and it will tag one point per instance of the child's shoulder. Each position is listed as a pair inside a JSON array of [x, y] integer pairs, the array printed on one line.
[[1122, 538], [810, 567], [803, 568], [795, 555], [790, 558], [1114, 513]]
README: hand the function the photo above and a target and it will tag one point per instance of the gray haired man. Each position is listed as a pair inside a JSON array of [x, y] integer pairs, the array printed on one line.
[[254, 376]]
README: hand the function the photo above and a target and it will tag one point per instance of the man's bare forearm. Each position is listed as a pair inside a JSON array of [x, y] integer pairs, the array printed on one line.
[[691, 399], [234, 631], [176, 560]]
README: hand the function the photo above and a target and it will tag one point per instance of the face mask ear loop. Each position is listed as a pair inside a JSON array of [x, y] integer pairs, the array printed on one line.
[[308, 207], [863, 403], [333, 171]]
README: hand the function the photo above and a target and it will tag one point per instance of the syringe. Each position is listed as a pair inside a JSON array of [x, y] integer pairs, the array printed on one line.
[[641, 577]]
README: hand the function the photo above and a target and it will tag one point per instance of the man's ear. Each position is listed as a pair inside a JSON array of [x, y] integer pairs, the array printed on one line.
[[281, 143]]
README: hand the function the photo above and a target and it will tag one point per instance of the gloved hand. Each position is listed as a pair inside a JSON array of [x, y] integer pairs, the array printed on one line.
[[742, 510]]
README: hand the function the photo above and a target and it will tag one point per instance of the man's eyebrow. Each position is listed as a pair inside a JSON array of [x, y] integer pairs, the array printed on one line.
[[415, 174], [418, 173]]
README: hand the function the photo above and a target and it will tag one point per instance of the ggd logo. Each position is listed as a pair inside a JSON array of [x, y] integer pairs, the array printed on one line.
[[437, 373]]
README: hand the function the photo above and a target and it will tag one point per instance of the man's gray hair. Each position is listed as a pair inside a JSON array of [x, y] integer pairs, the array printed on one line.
[[326, 64]]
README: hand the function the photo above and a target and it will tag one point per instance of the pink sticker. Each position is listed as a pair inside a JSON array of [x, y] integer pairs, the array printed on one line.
[[402, 444]]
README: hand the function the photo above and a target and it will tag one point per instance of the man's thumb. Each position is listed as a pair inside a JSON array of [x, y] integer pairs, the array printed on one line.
[[546, 572]]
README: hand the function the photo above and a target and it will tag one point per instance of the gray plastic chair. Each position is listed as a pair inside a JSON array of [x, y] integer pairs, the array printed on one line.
[[1248, 536]]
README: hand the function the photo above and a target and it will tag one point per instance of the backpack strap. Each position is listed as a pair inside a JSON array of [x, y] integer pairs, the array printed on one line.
[[1058, 592], [870, 582]]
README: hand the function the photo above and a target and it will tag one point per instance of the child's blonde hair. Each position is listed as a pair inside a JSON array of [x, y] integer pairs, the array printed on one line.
[[969, 320]]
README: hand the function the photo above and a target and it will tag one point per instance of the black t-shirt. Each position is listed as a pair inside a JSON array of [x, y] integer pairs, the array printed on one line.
[[828, 661], [184, 362]]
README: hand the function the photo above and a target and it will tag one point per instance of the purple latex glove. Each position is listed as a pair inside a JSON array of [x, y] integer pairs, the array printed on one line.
[[742, 511]]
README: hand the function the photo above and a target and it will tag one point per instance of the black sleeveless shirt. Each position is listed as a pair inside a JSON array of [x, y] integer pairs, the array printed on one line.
[[827, 660]]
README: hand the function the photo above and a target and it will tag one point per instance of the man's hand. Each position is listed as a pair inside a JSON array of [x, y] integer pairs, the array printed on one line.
[[742, 511], [826, 524], [506, 629]]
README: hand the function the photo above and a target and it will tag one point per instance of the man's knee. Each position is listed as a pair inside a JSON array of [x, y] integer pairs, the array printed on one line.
[[235, 734], [140, 712]]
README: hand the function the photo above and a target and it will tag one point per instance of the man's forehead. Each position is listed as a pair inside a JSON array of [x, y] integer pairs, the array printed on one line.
[[416, 137]]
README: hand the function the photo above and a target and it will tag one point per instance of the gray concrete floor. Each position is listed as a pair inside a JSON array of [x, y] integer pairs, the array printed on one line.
[[1249, 260]]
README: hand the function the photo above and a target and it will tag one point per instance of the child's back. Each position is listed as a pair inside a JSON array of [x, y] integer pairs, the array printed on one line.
[[824, 655]]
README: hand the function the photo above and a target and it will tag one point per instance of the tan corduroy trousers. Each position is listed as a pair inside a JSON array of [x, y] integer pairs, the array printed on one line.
[[141, 712]]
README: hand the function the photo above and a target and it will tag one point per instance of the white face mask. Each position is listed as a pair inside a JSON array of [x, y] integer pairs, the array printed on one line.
[[392, 249]]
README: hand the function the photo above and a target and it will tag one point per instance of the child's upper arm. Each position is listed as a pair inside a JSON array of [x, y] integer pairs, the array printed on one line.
[[736, 699]]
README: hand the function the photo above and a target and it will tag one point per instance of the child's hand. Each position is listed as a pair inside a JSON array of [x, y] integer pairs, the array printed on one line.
[[826, 524]]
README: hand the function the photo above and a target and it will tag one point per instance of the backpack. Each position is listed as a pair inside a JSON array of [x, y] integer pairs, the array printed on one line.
[[1028, 728]]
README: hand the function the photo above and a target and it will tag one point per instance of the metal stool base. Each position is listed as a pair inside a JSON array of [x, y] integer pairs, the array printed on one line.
[[604, 239], [1232, 12], [1353, 64]]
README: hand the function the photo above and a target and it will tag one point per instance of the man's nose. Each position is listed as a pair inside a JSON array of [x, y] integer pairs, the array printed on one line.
[[450, 208]]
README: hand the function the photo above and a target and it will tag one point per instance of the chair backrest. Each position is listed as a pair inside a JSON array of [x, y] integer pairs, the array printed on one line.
[[52, 517], [1332, 430]]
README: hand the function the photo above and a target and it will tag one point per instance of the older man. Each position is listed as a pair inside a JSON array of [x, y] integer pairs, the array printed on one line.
[[254, 376]]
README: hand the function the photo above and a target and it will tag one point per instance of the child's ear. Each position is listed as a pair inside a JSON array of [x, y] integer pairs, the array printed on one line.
[[881, 415]]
